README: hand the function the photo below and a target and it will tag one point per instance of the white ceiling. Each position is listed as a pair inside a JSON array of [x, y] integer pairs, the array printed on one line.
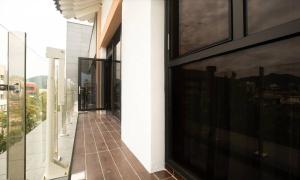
[[84, 10]]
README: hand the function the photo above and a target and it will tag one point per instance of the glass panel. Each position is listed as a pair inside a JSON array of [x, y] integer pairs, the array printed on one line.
[[202, 23], [36, 105], [266, 14], [236, 116], [116, 105], [191, 117], [3, 102], [85, 85], [91, 93], [16, 106]]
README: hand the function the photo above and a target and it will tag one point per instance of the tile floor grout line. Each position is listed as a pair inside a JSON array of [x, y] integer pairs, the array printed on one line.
[[113, 138], [116, 122], [109, 152], [102, 137], [125, 156], [115, 129], [102, 151], [97, 150], [130, 164], [135, 172], [156, 176], [169, 177], [105, 127], [123, 153], [113, 158], [110, 122], [113, 122], [172, 175], [85, 164], [111, 131]]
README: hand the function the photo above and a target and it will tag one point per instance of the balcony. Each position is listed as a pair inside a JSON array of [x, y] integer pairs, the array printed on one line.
[[43, 136], [98, 144]]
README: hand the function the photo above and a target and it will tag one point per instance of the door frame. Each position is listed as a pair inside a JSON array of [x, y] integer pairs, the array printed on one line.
[[109, 62], [111, 55], [79, 82]]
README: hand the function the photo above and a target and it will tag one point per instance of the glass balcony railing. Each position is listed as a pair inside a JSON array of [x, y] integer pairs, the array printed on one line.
[[3, 102], [25, 127]]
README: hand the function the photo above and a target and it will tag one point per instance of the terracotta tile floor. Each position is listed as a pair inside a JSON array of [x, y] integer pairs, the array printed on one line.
[[100, 154]]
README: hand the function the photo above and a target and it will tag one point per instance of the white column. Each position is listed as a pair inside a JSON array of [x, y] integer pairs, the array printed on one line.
[[143, 81], [62, 95], [53, 169], [50, 116]]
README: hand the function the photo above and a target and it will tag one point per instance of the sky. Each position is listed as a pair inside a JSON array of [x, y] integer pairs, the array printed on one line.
[[44, 25]]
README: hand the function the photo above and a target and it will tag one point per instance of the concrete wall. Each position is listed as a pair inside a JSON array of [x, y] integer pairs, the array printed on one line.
[[78, 41], [143, 81]]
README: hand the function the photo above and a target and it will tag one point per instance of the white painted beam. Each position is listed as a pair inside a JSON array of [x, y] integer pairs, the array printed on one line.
[[80, 9], [86, 11], [87, 17], [86, 5]]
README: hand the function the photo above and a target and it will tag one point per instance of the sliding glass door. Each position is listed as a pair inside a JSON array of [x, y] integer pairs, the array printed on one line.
[[114, 55], [92, 81], [234, 118], [233, 90]]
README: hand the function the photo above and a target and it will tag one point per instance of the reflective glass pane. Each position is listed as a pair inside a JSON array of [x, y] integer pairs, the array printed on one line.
[[116, 104], [202, 23], [236, 116], [92, 95], [36, 105], [16, 106], [269, 13], [116, 95], [3, 102]]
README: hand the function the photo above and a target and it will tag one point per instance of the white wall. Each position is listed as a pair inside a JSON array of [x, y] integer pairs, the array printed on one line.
[[143, 81], [106, 5], [157, 85]]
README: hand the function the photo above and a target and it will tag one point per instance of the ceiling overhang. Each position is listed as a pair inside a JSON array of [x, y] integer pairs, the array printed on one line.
[[84, 10]]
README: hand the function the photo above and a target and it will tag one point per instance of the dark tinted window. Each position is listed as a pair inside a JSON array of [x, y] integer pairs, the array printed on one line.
[[202, 23], [237, 116], [264, 14]]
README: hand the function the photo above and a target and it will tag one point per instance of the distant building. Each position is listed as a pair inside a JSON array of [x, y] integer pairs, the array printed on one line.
[[31, 89], [78, 44]]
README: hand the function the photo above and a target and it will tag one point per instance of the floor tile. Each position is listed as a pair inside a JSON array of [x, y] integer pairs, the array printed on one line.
[[100, 153], [163, 174], [110, 170], [94, 171]]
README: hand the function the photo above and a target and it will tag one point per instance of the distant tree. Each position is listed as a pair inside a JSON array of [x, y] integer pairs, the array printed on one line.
[[43, 100], [3, 119], [33, 110], [2, 142], [3, 125]]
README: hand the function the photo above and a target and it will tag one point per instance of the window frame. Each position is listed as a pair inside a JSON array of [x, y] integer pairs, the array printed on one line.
[[240, 40], [246, 21], [174, 22]]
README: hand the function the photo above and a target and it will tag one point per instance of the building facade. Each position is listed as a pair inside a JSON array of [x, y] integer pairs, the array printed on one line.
[[78, 43], [209, 89]]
